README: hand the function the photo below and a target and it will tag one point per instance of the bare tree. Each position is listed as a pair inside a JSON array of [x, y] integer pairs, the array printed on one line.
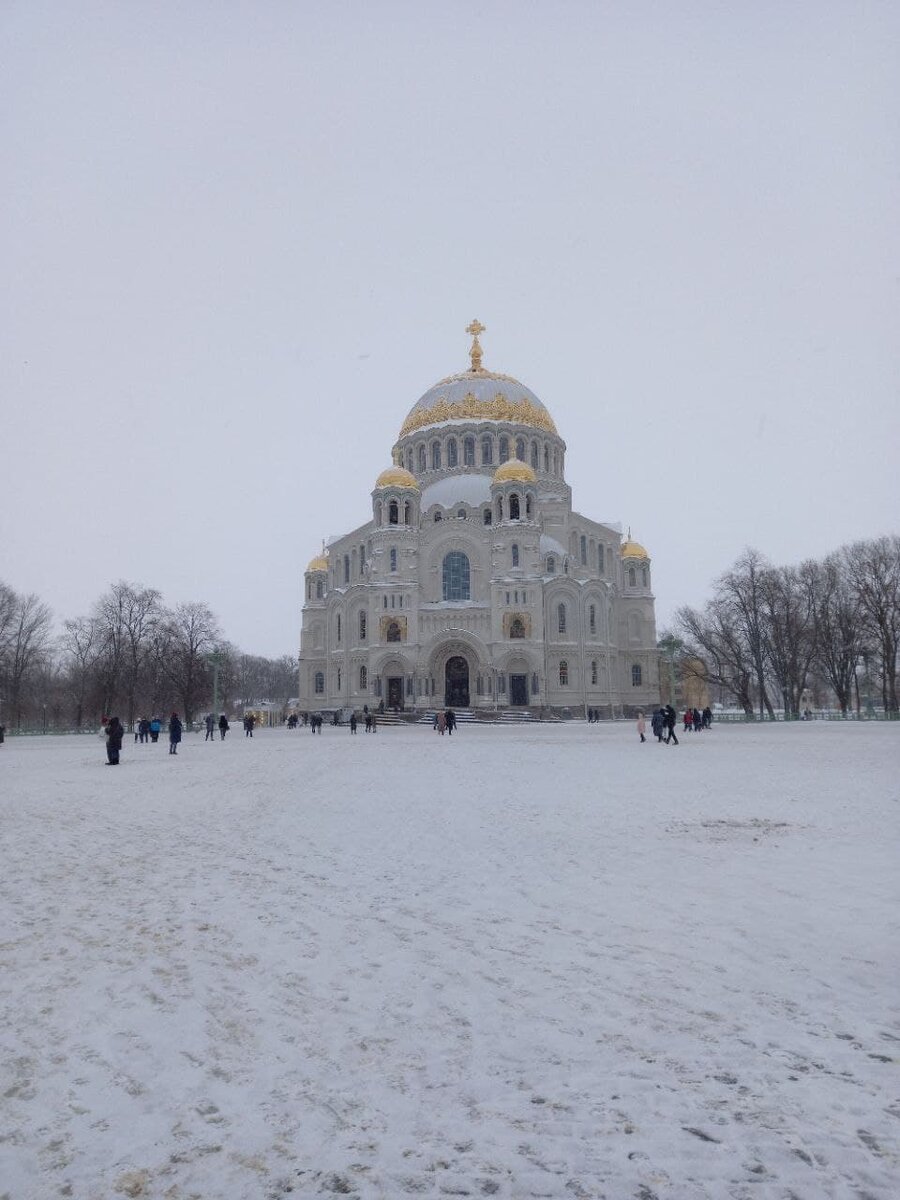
[[873, 568], [741, 589], [191, 634], [716, 638], [27, 640], [788, 627], [80, 645], [839, 632], [129, 614]]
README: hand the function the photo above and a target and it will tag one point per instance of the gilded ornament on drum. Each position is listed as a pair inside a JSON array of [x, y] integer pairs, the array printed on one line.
[[500, 408]]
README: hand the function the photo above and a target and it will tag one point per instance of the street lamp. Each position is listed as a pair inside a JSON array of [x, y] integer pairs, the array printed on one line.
[[671, 645]]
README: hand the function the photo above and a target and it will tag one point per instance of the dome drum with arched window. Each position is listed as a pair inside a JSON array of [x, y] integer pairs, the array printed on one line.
[[473, 581]]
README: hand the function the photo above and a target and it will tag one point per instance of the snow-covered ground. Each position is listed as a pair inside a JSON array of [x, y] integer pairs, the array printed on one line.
[[520, 962]]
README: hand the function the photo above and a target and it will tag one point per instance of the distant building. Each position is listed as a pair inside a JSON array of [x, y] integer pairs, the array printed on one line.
[[475, 584]]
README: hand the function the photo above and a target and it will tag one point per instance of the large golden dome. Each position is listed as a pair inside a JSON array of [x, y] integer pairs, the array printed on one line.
[[514, 469], [319, 563], [396, 477], [632, 549], [478, 395]]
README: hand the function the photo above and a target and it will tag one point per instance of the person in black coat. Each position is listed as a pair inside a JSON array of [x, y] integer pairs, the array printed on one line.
[[174, 733], [115, 731], [669, 717], [223, 727]]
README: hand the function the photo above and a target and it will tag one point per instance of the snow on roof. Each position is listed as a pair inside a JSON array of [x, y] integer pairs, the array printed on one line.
[[458, 489], [550, 545]]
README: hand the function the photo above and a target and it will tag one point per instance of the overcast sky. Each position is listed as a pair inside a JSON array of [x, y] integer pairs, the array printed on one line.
[[240, 240]]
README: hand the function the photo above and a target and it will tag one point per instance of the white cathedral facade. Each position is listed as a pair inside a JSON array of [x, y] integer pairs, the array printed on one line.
[[474, 583]]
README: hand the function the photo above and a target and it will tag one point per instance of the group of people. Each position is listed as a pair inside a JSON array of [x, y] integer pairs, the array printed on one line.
[[211, 725], [145, 729], [445, 721], [695, 720], [662, 722], [370, 721]]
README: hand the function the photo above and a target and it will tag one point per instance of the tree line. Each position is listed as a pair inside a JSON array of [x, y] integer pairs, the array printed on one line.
[[770, 633], [132, 655]]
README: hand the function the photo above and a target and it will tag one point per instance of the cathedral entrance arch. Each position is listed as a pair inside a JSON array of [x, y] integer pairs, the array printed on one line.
[[518, 689], [456, 682], [395, 692]]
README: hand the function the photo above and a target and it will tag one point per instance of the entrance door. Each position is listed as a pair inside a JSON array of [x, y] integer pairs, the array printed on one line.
[[456, 683], [518, 689], [395, 692]]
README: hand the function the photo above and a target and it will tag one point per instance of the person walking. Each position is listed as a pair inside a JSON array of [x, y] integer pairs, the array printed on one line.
[[353, 722], [210, 728], [656, 723], [641, 726], [155, 728], [669, 718], [223, 727], [115, 731], [175, 728], [450, 717], [442, 722]]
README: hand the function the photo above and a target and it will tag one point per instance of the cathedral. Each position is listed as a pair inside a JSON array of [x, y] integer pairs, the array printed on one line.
[[474, 583]]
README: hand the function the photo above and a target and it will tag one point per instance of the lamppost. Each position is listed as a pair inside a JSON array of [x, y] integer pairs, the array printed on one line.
[[215, 661], [671, 645]]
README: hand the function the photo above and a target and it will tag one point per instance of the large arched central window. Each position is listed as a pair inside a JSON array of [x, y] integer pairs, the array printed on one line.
[[456, 576]]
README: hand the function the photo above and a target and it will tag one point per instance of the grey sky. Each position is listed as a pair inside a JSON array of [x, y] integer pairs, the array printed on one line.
[[240, 240]]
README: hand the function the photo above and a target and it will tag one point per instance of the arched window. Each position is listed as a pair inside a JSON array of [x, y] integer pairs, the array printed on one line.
[[422, 463], [319, 683], [409, 459], [339, 679], [535, 461], [378, 512], [546, 459], [636, 675], [469, 452], [487, 516], [592, 618], [393, 632], [487, 450], [600, 559], [393, 513], [561, 618], [438, 516], [363, 679], [460, 514], [515, 555], [594, 672], [499, 508], [563, 674], [583, 546], [645, 576], [451, 453], [528, 504], [346, 568], [632, 578], [456, 576], [504, 448], [514, 507], [435, 456], [517, 628], [308, 590], [337, 628], [393, 558], [520, 449], [551, 565], [406, 513], [362, 625], [320, 589]]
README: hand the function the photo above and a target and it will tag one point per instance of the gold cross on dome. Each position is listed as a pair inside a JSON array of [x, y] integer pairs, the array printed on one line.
[[475, 353]]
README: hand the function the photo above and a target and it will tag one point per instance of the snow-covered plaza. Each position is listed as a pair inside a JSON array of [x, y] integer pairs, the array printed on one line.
[[518, 962]]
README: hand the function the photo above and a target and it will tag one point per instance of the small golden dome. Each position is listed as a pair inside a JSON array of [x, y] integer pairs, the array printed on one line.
[[514, 469], [396, 477], [632, 549], [319, 563]]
